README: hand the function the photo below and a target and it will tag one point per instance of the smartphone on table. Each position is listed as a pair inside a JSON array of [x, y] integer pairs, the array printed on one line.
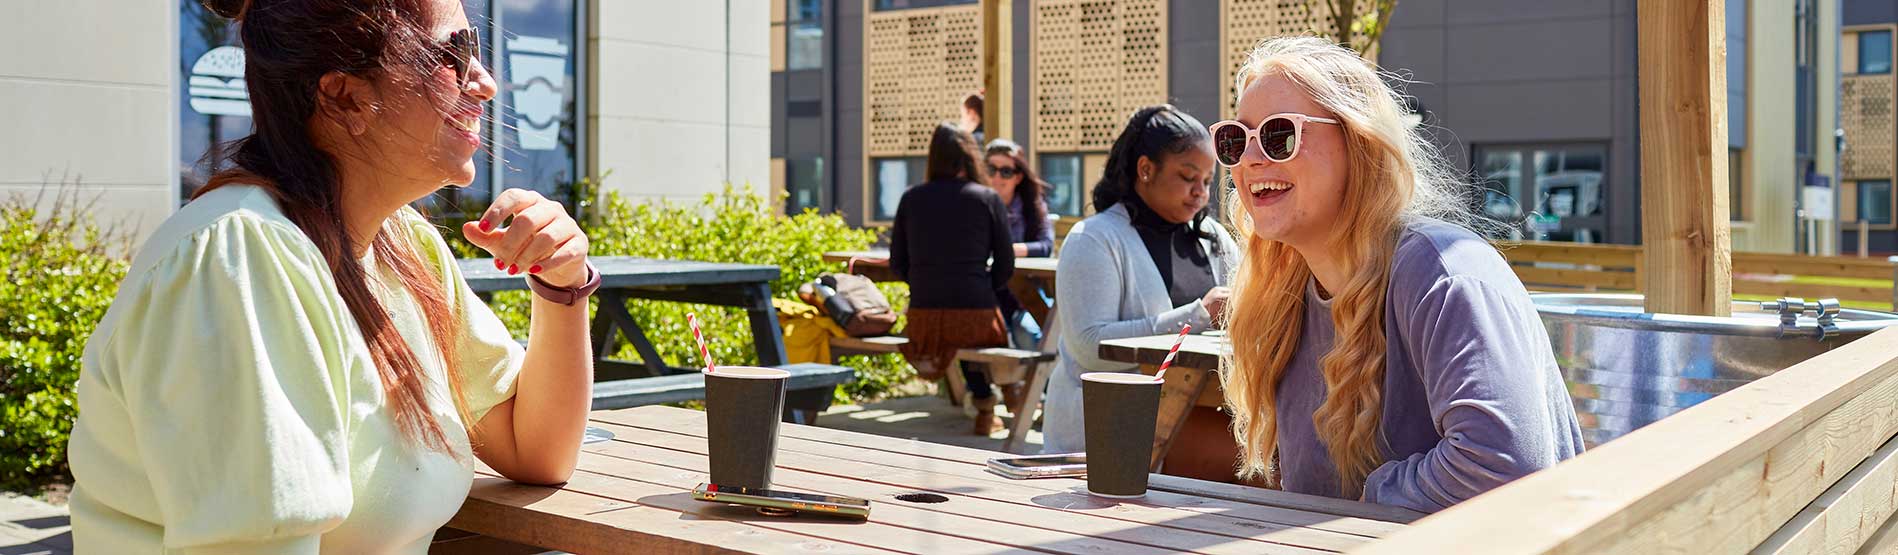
[[1041, 466], [784, 500]]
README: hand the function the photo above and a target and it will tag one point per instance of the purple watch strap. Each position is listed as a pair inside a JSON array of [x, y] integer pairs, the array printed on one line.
[[566, 295]]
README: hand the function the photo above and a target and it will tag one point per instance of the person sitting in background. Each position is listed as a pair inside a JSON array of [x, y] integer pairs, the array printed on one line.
[[1151, 261], [945, 234], [1028, 226], [1381, 349]]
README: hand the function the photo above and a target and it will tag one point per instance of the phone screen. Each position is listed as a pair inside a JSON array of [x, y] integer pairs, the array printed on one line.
[[1045, 461]]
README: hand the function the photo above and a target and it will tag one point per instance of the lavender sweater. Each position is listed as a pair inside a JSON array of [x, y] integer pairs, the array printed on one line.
[[1472, 395]]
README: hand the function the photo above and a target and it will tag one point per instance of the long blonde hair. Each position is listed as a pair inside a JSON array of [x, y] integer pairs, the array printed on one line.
[[1395, 174]]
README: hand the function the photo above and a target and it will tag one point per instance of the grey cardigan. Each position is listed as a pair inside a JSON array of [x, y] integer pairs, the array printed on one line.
[[1107, 287]]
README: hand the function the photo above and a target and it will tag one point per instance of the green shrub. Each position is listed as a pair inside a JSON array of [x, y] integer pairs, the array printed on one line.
[[732, 226], [59, 275]]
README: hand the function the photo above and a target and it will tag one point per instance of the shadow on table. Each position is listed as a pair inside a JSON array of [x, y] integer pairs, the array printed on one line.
[[1076, 499]]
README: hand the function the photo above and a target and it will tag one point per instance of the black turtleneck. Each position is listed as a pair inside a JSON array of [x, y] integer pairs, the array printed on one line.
[[1176, 250]]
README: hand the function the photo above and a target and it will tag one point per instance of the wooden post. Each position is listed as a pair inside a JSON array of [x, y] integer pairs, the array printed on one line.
[[1687, 247], [1864, 236], [998, 68]]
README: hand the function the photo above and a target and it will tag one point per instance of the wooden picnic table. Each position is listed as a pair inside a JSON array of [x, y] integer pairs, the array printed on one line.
[[1032, 284], [623, 278], [632, 493], [1192, 384]]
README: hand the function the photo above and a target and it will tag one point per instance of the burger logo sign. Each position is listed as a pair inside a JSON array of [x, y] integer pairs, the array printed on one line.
[[217, 83]]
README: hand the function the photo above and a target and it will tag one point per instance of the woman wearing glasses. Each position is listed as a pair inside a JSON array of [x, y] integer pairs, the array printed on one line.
[[1025, 198], [1148, 262], [1381, 350], [294, 364]]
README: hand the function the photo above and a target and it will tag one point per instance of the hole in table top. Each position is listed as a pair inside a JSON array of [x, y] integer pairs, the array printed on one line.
[[922, 498]]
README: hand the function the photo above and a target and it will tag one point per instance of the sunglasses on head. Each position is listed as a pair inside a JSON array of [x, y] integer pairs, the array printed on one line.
[[1279, 136], [462, 50], [1004, 172]]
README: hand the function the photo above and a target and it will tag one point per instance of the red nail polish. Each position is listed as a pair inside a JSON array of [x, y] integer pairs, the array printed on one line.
[[499, 265], [513, 269], [487, 225], [535, 269]]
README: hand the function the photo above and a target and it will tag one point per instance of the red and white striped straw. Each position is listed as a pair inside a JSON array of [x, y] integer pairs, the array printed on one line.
[[1161, 375], [693, 319]]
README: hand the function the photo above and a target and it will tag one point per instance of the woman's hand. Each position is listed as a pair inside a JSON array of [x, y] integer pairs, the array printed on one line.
[[1021, 250], [541, 240], [1215, 301]]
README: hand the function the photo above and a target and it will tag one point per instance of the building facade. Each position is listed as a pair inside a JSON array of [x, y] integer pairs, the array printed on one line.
[[664, 99], [1867, 104], [1537, 99]]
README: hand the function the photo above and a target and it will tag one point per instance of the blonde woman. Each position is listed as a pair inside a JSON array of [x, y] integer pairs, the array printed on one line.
[[1381, 350]]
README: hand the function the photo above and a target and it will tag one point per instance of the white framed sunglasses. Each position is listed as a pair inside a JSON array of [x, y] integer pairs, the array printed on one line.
[[1279, 136]]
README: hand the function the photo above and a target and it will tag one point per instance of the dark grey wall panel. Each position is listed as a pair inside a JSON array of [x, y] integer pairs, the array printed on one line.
[[777, 114], [1194, 76], [1502, 72], [1869, 12]]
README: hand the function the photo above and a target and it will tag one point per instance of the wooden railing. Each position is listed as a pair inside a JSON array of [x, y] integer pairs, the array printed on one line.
[[1572, 266], [1801, 461]]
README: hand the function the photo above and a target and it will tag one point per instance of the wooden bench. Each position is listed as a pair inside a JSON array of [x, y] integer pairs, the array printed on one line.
[[806, 394], [1004, 366]]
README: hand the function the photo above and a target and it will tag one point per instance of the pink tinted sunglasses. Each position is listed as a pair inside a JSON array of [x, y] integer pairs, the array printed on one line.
[[1279, 136]]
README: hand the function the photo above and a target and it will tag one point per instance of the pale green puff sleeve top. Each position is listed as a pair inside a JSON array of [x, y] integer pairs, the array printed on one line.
[[228, 403]]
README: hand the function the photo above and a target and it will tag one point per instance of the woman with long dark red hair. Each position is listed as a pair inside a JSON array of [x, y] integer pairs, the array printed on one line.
[[294, 364]]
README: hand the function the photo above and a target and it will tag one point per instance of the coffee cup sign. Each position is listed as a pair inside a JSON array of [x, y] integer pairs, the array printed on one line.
[[537, 83], [217, 83]]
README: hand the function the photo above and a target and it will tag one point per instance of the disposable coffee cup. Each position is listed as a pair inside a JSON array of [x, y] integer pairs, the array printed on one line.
[[1120, 411], [743, 406]]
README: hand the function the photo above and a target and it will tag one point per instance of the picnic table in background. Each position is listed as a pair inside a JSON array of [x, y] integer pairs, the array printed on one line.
[[623, 278], [1191, 393], [633, 492], [1032, 284]]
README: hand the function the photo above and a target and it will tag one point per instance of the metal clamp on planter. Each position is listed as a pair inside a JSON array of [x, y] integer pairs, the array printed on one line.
[[1828, 310], [1789, 309]]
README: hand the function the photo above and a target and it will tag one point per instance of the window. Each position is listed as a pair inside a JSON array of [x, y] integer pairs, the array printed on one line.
[[214, 107], [804, 48], [891, 177], [1874, 202], [1874, 52], [530, 46], [1063, 174], [1555, 189], [905, 4], [806, 185]]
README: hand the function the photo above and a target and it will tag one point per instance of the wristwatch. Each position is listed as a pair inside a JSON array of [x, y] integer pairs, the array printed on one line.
[[566, 295]]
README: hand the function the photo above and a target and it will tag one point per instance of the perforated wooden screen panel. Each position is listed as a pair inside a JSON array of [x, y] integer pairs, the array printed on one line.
[[918, 65], [1092, 63], [1246, 22], [1866, 106]]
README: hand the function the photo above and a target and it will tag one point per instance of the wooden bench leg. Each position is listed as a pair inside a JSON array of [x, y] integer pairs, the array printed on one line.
[[1178, 395], [1031, 403], [958, 386], [803, 406]]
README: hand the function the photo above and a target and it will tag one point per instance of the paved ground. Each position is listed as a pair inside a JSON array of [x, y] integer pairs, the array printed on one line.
[[29, 526], [927, 418]]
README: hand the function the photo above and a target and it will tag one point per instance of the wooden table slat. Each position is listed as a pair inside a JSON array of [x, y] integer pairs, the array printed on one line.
[[1034, 512], [961, 518], [581, 523], [633, 492], [897, 465]]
